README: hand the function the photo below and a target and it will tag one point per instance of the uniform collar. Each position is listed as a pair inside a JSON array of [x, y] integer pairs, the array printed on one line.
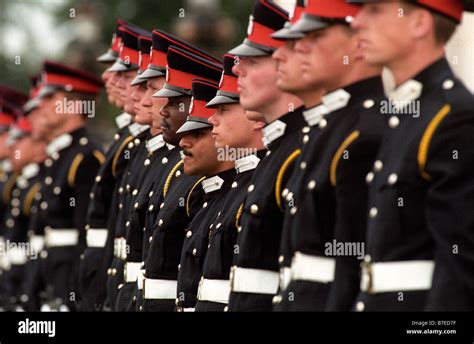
[[136, 129], [59, 143], [246, 163], [287, 123], [29, 171], [123, 120], [156, 143]]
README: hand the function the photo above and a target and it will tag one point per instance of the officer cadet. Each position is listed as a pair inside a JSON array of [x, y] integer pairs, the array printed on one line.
[[11, 102], [155, 77], [126, 68], [73, 159], [419, 232], [181, 194], [254, 275], [103, 205], [327, 196], [201, 158], [232, 132], [27, 154]]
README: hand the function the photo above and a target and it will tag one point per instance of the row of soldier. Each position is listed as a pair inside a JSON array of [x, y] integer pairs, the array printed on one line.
[[275, 179]]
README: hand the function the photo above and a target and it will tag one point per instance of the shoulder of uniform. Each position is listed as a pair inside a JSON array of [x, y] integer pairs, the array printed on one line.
[[289, 161], [169, 178], [124, 145], [350, 139]]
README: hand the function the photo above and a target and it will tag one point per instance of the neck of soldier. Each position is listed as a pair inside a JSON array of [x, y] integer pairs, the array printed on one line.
[[418, 59], [73, 123], [155, 131], [222, 166], [284, 104], [311, 97]]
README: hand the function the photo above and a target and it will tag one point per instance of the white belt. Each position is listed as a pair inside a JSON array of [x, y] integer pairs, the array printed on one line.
[[160, 289], [397, 276], [120, 248], [96, 237], [312, 268], [214, 290], [285, 277], [132, 271], [17, 255], [256, 281], [59, 237], [141, 279], [36, 243]]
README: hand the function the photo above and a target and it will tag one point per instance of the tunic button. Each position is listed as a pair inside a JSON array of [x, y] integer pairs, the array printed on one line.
[[136, 205], [268, 153], [150, 208], [178, 173], [194, 252], [135, 192], [360, 306], [369, 103], [189, 234], [448, 84], [147, 162], [306, 130], [127, 223], [277, 299], [204, 205], [303, 165], [393, 122], [285, 192], [160, 223], [150, 239], [44, 205], [164, 161], [293, 210], [130, 145], [98, 178], [281, 259], [150, 193], [136, 141], [116, 136], [162, 205], [373, 212], [218, 225], [305, 139], [179, 267], [378, 165], [323, 123], [312, 184], [120, 190], [392, 179], [251, 187], [239, 229], [289, 197], [254, 209], [48, 180], [226, 309], [234, 185], [370, 177]]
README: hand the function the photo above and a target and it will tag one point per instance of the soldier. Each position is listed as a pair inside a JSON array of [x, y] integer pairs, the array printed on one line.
[[182, 194], [254, 275], [242, 139], [66, 100], [201, 159], [419, 231], [27, 155], [103, 205], [327, 196], [125, 69]]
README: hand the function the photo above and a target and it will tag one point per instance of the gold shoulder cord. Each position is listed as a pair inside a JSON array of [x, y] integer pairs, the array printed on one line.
[[118, 153], [99, 156], [189, 194], [337, 157], [238, 216], [30, 197], [71, 177], [426, 139], [170, 177], [281, 174], [9, 187]]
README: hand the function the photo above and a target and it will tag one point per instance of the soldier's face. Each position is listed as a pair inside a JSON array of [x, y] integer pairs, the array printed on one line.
[[231, 127], [386, 32], [141, 115], [257, 78], [200, 154], [289, 68], [5, 150], [327, 53], [50, 116], [107, 77], [173, 115], [114, 90], [126, 90], [152, 104]]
